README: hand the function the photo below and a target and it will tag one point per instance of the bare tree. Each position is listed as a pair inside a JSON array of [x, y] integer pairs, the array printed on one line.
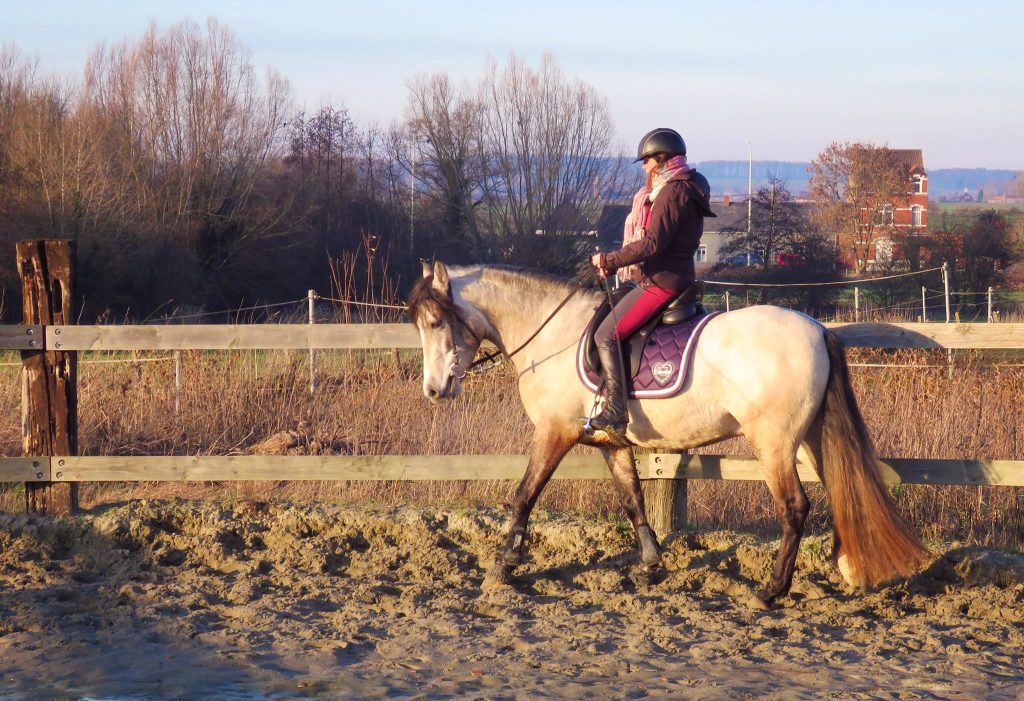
[[775, 225], [442, 132], [545, 144], [855, 186], [188, 132], [323, 155]]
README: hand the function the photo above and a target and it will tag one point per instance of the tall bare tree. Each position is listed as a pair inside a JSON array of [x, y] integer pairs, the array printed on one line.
[[852, 185], [443, 130], [188, 131], [545, 145]]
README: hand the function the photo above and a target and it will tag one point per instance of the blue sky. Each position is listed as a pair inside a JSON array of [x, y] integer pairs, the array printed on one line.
[[790, 77]]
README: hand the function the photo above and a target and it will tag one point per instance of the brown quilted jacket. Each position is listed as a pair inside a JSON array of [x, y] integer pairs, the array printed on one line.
[[665, 252]]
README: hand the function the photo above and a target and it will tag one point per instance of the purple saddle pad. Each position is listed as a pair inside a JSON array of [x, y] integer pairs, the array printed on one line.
[[664, 363]]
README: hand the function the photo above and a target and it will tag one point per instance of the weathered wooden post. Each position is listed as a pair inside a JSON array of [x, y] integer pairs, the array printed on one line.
[[311, 297], [49, 378], [664, 497]]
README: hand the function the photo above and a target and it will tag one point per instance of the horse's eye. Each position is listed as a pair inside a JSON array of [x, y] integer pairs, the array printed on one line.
[[436, 324]]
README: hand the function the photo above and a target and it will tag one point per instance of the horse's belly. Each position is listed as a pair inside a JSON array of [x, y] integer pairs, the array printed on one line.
[[681, 422]]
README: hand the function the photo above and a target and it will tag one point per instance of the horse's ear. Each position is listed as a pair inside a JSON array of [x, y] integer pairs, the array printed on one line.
[[428, 269], [441, 281]]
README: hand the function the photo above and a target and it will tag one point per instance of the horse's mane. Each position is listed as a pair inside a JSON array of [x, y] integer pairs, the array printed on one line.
[[522, 279], [512, 278]]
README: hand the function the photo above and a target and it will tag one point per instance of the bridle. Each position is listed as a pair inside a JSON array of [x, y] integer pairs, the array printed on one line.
[[491, 356]]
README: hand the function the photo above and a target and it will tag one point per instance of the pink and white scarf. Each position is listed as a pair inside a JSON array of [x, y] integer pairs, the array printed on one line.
[[665, 172]]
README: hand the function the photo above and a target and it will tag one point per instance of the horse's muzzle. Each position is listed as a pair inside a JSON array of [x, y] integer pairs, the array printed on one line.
[[449, 390]]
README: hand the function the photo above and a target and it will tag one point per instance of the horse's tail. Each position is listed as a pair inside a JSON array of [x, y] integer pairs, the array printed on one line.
[[874, 545]]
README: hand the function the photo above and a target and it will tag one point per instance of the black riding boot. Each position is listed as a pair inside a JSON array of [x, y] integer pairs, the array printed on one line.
[[615, 414]]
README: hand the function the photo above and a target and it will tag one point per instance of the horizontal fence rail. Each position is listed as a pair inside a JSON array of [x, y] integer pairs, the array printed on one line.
[[231, 337], [935, 335], [381, 336], [654, 466], [21, 337]]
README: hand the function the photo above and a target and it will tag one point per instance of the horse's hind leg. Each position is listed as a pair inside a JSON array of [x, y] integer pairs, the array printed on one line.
[[779, 466], [627, 485], [548, 447], [812, 454]]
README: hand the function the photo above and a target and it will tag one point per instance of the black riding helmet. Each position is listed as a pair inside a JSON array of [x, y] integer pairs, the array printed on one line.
[[660, 141]]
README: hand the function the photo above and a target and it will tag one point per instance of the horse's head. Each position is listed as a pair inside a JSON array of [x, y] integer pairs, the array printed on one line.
[[449, 342]]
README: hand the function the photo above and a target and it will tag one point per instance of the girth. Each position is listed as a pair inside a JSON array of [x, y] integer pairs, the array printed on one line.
[[684, 307]]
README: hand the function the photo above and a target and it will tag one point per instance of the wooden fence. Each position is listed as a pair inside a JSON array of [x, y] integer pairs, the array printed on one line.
[[52, 469]]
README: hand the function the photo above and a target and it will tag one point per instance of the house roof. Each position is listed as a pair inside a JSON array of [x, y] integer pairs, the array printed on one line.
[[567, 217], [611, 222], [910, 158], [732, 216]]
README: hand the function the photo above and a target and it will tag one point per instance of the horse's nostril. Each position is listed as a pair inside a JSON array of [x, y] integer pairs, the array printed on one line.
[[432, 393]]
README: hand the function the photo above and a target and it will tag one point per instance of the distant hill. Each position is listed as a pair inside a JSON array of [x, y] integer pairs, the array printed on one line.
[[946, 182], [730, 177]]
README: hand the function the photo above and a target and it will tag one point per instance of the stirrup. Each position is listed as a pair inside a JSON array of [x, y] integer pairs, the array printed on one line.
[[613, 434]]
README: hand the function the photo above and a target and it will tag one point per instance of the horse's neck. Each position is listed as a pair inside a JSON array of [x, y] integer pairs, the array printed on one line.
[[514, 315]]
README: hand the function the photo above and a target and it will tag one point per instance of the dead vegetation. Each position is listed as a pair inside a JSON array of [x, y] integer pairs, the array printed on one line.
[[370, 403]]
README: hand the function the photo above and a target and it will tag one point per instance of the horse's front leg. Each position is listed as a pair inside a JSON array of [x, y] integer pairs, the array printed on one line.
[[627, 484], [549, 445]]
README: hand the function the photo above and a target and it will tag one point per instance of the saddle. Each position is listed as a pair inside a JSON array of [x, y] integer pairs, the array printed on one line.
[[683, 308]]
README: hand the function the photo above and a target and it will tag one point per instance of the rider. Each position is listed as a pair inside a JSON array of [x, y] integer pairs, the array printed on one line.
[[663, 256]]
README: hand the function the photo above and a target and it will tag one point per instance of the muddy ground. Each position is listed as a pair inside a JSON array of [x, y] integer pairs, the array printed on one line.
[[175, 599]]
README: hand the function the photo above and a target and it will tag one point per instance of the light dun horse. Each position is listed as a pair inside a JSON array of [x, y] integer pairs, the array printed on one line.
[[773, 375]]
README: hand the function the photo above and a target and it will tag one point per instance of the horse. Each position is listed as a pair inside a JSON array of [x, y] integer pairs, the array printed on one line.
[[773, 375]]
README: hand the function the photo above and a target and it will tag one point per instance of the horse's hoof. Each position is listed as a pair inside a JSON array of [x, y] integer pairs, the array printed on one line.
[[759, 602], [511, 558], [650, 551], [642, 576], [500, 575]]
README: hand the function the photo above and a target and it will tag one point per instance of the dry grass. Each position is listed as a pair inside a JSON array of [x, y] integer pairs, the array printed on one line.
[[371, 403]]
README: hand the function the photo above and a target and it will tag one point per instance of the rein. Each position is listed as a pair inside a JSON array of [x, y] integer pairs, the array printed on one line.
[[495, 354]]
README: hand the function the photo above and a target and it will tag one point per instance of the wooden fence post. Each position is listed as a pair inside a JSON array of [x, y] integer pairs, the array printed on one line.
[[311, 297], [49, 379], [665, 500]]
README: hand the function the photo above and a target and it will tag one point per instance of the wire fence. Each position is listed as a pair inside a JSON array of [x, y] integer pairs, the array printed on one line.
[[943, 305]]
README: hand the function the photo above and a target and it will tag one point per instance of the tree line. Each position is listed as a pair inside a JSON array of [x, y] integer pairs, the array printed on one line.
[[190, 181]]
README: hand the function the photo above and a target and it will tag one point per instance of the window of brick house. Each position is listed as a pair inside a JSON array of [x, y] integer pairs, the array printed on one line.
[[883, 215], [916, 215], [918, 184]]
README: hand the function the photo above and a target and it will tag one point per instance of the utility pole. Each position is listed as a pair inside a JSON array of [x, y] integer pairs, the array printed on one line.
[[750, 194]]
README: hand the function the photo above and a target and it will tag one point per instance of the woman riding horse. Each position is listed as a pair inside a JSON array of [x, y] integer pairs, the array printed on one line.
[[662, 256]]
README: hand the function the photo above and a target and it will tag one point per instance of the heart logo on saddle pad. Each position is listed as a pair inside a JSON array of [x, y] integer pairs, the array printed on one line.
[[662, 371]]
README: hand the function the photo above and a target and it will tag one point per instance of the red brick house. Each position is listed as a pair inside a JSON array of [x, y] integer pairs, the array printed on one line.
[[910, 214], [888, 223]]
